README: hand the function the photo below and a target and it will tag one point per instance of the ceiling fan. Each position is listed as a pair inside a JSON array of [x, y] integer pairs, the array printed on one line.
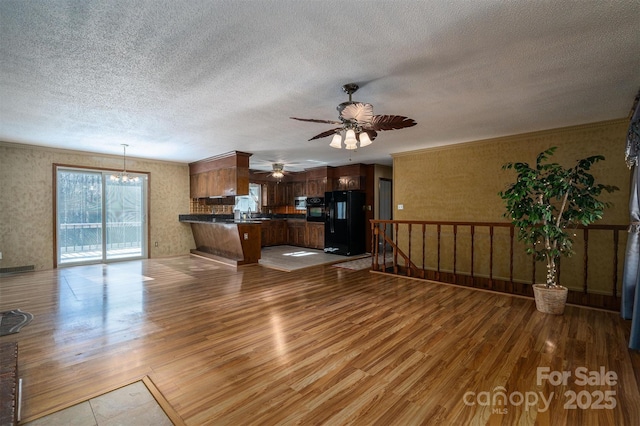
[[358, 123], [277, 171]]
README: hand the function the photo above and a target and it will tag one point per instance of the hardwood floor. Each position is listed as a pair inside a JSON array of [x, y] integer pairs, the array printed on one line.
[[322, 345]]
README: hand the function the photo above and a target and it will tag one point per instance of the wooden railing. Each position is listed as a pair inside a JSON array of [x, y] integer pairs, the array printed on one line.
[[488, 256]]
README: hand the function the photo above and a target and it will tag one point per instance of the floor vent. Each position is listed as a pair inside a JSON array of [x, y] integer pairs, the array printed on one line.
[[16, 269]]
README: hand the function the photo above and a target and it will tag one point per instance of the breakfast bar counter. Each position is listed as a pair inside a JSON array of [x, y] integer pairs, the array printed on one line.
[[225, 240]]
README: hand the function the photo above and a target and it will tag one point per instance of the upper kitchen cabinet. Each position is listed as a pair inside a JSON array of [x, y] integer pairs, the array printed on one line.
[[318, 181], [351, 177], [220, 176]]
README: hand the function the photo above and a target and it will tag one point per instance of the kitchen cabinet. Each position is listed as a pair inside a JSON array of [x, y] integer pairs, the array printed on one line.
[[299, 189], [315, 235], [273, 232], [316, 187], [296, 232], [276, 194], [281, 194], [220, 176], [346, 183]]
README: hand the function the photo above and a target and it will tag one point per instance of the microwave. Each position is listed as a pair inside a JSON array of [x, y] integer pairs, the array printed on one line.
[[300, 203]]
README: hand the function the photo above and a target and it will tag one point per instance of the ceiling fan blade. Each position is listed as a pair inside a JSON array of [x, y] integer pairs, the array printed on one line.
[[314, 120], [389, 122], [327, 133], [357, 111]]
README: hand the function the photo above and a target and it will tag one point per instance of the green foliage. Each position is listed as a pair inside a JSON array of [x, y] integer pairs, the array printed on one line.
[[548, 200]]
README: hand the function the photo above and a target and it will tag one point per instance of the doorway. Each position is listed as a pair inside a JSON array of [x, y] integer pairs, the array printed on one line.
[[385, 205], [99, 219]]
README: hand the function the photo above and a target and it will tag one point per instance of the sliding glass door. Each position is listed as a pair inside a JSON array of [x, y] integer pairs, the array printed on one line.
[[99, 219]]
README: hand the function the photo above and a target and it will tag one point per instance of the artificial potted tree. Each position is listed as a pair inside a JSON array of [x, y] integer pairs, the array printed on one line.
[[544, 204]]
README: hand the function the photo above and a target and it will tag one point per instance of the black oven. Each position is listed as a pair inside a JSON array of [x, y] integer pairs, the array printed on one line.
[[315, 209]]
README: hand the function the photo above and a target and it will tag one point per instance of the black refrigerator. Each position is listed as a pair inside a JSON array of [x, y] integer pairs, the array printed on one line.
[[345, 226]]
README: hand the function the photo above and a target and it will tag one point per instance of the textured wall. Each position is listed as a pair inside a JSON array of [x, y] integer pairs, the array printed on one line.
[[461, 183], [26, 203]]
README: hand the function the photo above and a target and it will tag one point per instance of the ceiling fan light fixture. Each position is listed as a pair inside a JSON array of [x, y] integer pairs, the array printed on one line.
[[357, 117], [277, 170], [364, 139], [336, 142]]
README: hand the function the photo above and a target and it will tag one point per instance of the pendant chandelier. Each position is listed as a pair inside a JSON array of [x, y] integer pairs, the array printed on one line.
[[123, 176]]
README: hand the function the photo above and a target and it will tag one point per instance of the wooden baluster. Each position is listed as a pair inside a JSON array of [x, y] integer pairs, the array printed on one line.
[[374, 245], [384, 247], [406, 263], [395, 251], [533, 274], [424, 238], [438, 269], [558, 269], [491, 256], [473, 235], [455, 246], [615, 263], [586, 259], [511, 234]]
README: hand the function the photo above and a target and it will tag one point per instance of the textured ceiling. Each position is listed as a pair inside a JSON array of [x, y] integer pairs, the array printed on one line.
[[183, 80]]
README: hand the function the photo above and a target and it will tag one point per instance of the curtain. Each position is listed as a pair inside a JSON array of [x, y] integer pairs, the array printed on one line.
[[630, 301]]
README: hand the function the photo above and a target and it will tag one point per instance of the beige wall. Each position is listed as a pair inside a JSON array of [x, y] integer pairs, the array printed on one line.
[[26, 203], [461, 183]]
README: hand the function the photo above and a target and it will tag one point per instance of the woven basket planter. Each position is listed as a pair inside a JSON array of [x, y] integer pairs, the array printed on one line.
[[550, 300]]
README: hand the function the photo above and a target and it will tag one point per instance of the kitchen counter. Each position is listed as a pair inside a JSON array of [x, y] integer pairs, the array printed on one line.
[[239, 242], [223, 239]]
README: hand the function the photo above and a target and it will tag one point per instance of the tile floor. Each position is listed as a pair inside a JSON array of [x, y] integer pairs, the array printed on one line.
[[289, 258], [129, 405]]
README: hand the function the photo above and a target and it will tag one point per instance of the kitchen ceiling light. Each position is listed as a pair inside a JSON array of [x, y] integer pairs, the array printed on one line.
[[123, 176]]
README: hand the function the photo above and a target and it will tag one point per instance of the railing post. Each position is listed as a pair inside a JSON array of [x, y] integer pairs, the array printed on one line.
[[455, 257], [473, 244], [586, 260], [491, 257], [409, 269], [438, 270], [424, 238], [395, 252], [511, 233], [614, 290]]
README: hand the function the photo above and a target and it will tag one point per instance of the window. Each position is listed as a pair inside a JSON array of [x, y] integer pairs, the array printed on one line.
[[98, 219], [251, 202]]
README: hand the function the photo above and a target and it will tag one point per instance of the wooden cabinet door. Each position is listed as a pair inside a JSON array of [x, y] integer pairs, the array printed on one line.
[[280, 190], [281, 232], [296, 232], [299, 189], [346, 183], [315, 235], [316, 187], [264, 234]]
